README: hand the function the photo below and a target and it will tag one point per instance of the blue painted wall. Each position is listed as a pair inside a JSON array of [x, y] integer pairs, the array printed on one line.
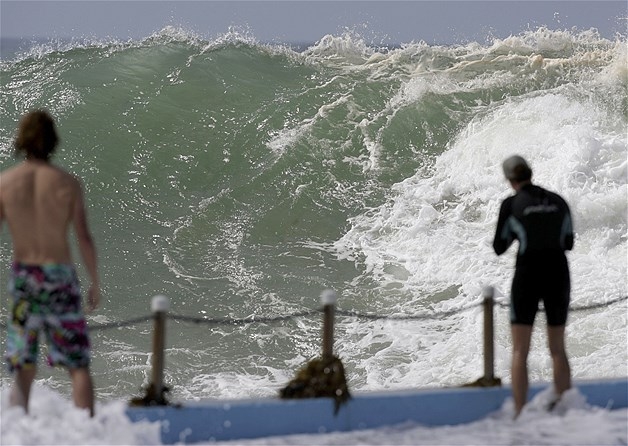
[[228, 420]]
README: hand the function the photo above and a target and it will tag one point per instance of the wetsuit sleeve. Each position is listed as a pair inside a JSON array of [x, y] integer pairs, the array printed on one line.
[[503, 237], [567, 232]]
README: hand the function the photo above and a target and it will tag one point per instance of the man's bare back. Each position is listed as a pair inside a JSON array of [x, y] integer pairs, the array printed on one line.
[[38, 201]]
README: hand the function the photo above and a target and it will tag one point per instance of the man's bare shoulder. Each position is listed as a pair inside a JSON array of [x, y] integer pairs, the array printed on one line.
[[6, 174], [46, 173], [46, 168], [60, 173], [9, 177]]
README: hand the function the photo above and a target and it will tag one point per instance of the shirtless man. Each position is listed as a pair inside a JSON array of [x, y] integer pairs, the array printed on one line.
[[40, 202], [541, 221]]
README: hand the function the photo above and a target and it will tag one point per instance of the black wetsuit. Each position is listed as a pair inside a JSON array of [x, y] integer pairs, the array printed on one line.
[[540, 220]]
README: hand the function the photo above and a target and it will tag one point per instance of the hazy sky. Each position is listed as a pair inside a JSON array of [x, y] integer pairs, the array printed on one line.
[[383, 21]]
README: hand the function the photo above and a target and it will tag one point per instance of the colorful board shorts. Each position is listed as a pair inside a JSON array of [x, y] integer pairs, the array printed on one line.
[[46, 298]]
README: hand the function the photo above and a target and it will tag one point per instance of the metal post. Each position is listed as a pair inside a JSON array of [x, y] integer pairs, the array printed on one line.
[[489, 354], [159, 306], [328, 299]]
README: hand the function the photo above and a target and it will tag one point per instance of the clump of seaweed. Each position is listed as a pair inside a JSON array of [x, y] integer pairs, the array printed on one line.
[[321, 377], [152, 397], [485, 382]]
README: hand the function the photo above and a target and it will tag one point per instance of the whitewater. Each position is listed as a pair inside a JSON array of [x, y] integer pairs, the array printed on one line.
[[241, 179]]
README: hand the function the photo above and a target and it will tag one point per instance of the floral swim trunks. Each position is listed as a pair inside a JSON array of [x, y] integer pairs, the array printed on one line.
[[46, 298]]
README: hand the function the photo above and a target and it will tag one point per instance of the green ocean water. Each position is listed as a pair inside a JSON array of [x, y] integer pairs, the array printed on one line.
[[242, 179]]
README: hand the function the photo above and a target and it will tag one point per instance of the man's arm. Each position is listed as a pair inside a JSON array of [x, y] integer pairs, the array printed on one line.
[[87, 248], [503, 237], [567, 231]]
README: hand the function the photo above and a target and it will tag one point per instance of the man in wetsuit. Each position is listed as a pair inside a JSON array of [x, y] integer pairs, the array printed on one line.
[[541, 221], [40, 202]]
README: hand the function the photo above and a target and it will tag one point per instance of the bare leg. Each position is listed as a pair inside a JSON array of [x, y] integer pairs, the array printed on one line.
[[521, 335], [82, 389], [20, 393], [562, 371]]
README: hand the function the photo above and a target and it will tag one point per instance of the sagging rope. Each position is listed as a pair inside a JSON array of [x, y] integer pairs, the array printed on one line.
[[243, 321], [348, 313], [357, 314], [127, 323]]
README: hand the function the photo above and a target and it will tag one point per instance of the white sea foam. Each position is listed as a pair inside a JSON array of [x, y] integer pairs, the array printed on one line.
[[53, 420]]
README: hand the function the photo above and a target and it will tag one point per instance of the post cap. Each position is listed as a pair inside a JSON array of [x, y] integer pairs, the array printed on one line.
[[159, 303], [328, 297], [488, 291]]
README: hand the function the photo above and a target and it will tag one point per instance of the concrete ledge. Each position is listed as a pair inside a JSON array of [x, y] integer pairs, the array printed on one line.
[[221, 420]]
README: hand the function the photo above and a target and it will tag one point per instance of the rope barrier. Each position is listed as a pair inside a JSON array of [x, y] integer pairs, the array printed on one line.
[[270, 320], [580, 308], [408, 317], [127, 323], [348, 313], [244, 321], [599, 305]]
